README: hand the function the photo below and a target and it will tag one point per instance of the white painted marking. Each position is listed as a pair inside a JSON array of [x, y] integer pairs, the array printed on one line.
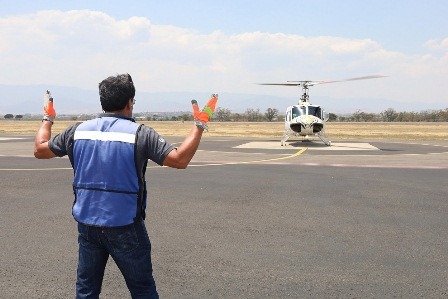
[[359, 165], [342, 146], [10, 138]]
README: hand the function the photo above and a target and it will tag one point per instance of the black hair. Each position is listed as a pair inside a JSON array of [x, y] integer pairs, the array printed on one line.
[[116, 91]]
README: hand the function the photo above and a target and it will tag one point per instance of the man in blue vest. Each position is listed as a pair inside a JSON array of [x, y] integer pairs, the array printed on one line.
[[109, 155]]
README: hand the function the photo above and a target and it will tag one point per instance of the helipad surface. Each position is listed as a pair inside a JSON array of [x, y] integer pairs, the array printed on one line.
[[336, 146]]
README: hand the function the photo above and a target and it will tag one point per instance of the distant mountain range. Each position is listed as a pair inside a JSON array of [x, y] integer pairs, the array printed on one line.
[[28, 99]]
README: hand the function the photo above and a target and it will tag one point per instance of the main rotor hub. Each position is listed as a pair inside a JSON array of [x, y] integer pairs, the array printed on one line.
[[305, 98]]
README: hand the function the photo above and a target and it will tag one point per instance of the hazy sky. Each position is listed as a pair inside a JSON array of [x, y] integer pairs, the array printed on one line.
[[227, 46]]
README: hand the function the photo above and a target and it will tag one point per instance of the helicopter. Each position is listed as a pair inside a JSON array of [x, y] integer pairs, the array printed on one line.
[[306, 119]]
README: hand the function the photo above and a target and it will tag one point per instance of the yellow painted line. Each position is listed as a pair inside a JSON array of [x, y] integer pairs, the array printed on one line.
[[201, 165], [237, 153], [245, 162]]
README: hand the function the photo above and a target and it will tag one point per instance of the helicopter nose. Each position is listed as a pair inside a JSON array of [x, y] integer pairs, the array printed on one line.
[[308, 121]]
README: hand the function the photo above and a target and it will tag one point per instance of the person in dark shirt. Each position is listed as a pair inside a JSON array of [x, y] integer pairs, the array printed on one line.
[[109, 155]]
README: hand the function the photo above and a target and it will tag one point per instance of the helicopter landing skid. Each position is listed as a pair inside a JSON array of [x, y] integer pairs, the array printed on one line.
[[324, 139], [284, 139], [321, 136]]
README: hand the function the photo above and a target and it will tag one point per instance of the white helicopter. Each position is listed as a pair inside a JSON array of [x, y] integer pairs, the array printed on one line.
[[306, 119]]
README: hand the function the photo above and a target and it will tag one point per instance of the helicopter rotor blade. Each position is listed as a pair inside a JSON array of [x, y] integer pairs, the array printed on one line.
[[350, 79], [306, 83], [282, 84]]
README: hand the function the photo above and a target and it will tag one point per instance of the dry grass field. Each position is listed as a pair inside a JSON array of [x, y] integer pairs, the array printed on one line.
[[335, 130]]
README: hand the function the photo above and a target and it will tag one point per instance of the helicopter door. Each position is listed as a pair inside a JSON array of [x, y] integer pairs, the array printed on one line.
[[288, 115], [287, 119]]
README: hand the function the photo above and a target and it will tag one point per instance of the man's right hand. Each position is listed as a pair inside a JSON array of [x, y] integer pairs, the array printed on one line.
[[49, 112]]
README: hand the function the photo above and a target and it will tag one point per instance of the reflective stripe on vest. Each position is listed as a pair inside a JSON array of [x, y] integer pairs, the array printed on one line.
[[106, 183]]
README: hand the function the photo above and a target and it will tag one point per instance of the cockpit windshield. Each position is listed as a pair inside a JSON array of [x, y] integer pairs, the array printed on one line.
[[298, 111], [315, 111], [306, 110]]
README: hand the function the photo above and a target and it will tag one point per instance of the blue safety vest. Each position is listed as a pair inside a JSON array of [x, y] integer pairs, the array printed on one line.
[[108, 190]]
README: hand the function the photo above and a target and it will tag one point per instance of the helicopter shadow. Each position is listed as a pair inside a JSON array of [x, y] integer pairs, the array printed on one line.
[[309, 144]]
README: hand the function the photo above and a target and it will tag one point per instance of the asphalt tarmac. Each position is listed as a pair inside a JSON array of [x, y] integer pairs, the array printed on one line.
[[248, 219]]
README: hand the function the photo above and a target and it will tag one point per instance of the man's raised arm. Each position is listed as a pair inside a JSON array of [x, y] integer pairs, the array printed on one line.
[[41, 149], [180, 157]]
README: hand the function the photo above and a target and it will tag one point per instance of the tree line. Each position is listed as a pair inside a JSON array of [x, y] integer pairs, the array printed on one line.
[[11, 116], [221, 114], [272, 115], [391, 115]]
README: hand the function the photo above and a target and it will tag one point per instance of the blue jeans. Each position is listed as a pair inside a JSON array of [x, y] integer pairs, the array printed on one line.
[[131, 250]]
